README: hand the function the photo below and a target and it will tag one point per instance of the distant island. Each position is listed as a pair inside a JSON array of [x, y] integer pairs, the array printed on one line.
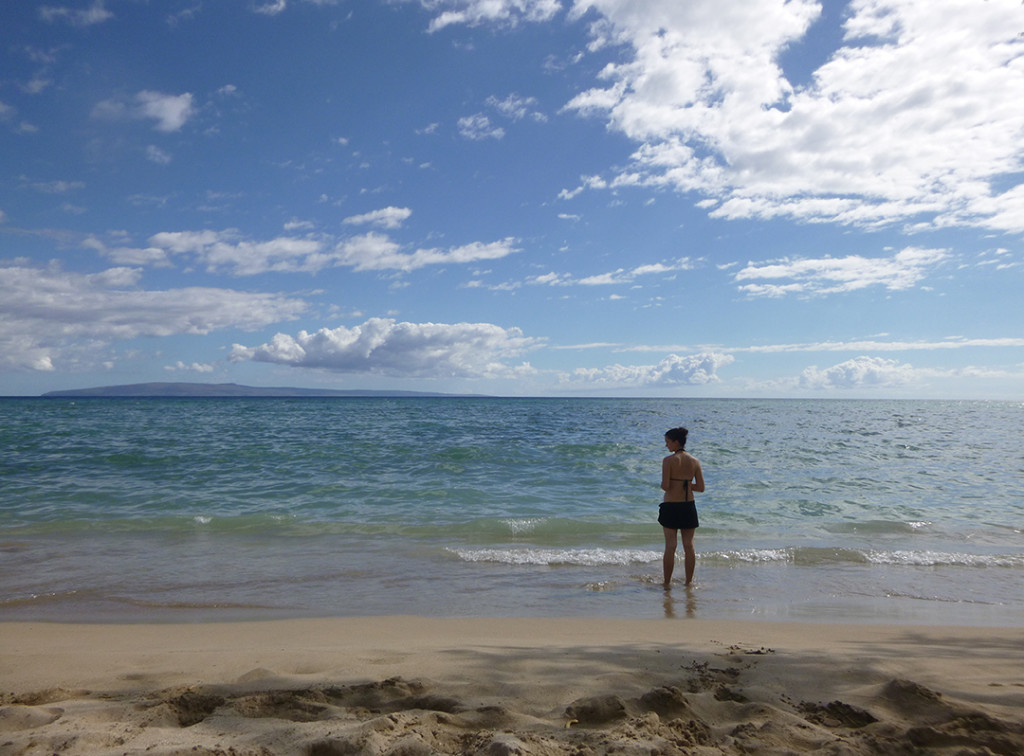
[[220, 390]]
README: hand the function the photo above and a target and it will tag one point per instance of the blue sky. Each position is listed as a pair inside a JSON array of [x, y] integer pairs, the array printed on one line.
[[738, 198]]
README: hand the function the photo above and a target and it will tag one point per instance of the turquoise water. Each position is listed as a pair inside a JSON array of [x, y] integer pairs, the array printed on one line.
[[211, 509]]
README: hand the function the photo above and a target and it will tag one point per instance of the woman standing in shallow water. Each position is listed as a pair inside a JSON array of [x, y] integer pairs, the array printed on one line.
[[681, 475]]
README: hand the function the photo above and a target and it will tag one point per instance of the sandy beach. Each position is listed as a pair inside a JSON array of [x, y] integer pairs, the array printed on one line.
[[409, 685]]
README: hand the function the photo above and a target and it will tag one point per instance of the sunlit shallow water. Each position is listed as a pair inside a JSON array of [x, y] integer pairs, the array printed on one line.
[[201, 510]]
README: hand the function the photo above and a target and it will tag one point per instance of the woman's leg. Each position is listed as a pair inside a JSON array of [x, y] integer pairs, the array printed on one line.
[[689, 555], [668, 562]]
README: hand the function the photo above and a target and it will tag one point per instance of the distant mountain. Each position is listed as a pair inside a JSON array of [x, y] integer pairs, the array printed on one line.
[[224, 390]]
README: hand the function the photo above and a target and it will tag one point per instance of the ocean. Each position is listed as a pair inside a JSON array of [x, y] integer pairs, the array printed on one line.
[[201, 510]]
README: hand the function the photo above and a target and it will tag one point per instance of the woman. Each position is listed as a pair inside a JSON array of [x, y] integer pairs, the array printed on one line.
[[681, 475]]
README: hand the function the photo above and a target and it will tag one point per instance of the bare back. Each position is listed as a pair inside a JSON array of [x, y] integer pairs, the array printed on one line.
[[681, 475]]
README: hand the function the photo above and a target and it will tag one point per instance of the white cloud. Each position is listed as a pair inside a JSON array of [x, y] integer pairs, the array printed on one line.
[[126, 255], [909, 121], [588, 182], [873, 373], [377, 252], [516, 107], [386, 347], [94, 14], [619, 276], [1003, 211], [873, 345], [275, 7], [36, 84], [474, 12], [51, 317], [869, 375], [674, 370], [388, 217], [228, 251], [57, 187], [479, 127], [9, 115], [552, 279], [155, 155], [170, 112], [271, 8], [830, 275], [857, 373], [195, 367]]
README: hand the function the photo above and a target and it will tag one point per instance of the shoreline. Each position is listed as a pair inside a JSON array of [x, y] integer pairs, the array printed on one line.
[[405, 684]]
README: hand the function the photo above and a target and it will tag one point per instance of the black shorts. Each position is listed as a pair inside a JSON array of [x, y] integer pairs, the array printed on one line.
[[678, 515]]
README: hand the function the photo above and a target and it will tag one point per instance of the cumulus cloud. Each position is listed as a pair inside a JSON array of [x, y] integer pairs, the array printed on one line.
[[382, 346], [475, 12], [831, 275], [388, 217], [49, 316], [871, 373], [169, 112], [195, 367], [875, 136], [857, 373], [674, 370]]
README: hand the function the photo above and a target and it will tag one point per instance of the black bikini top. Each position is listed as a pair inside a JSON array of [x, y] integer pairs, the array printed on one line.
[[686, 488]]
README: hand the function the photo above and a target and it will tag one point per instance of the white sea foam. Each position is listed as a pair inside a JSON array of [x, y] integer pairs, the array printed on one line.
[[754, 555], [521, 526], [802, 556], [811, 557], [576, 557], [939, 559]]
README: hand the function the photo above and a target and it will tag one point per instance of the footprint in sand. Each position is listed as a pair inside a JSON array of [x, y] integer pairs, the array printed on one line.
[[14, 718]]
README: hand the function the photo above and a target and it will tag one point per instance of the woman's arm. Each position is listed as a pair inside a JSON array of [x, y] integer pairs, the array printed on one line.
[[666, 472]]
